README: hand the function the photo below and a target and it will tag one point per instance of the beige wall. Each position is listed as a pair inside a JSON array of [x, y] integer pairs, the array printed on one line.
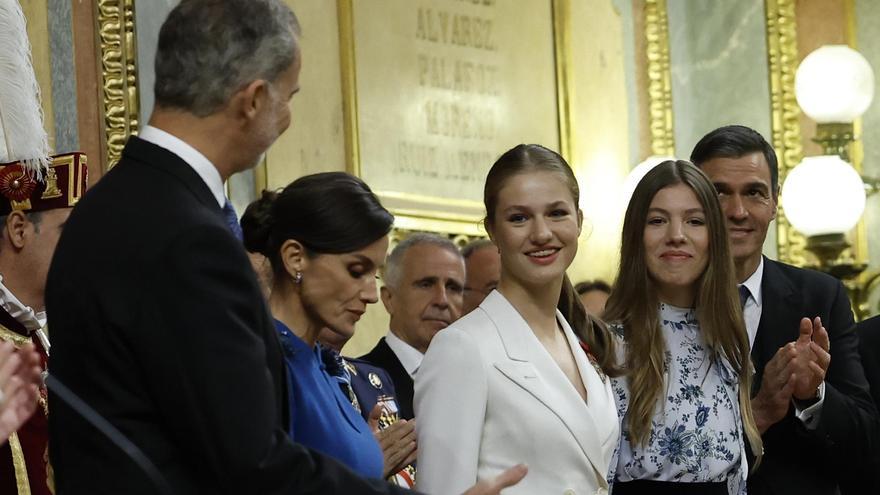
[[315, 140], [600, 133], [35, 13]]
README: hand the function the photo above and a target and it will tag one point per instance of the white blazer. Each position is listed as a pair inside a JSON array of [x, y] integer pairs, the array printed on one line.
[[489, 396]]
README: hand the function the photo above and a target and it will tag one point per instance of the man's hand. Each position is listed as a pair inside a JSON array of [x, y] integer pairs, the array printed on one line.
[[777, 385], [504, 480], [398, 441], [19, 386], [812, 360]]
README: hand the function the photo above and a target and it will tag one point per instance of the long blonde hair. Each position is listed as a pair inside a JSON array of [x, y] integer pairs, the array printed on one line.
[[634, 303]]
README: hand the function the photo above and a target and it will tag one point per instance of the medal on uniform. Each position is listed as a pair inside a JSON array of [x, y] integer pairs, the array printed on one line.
[[375, 381]]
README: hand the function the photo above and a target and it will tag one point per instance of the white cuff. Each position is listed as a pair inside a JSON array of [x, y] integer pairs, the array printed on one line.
[[810, 416]]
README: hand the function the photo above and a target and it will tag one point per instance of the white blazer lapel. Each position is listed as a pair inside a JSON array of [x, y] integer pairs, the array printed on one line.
[[531, 367], [600, 394]]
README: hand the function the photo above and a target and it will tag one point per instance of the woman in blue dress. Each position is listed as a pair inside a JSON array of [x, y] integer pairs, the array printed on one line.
[[325, 236], [684, 398]]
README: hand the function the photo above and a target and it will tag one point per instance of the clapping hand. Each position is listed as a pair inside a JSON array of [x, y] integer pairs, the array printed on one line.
[[813, 358], [398, 441], [771, 403], [19, 386], [795, 371]]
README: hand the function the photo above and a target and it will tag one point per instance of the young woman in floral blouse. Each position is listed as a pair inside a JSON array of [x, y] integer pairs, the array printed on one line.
[[684, 399]]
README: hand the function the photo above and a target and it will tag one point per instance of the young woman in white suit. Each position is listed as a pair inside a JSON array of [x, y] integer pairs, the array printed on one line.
[[524, 377]]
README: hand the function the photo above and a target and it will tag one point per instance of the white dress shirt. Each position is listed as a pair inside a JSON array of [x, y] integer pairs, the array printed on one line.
[[199, 163], [755, 302], [409, 356], [752, 314]]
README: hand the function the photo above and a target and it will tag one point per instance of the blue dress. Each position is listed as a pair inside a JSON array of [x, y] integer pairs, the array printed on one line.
[[321, 417]]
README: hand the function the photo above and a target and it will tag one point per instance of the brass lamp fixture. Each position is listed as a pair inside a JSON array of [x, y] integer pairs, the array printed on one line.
[[824, 196]]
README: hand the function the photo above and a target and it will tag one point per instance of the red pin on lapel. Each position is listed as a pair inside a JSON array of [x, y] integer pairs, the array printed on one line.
[[592, 359]]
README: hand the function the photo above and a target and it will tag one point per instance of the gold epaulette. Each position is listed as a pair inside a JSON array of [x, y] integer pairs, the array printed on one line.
[[14, 337]]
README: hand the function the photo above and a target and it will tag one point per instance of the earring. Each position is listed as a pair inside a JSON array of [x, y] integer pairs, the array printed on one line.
[[297, 278]]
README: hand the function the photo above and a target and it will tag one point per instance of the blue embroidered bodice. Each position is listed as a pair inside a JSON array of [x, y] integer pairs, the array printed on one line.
[[696, 430]]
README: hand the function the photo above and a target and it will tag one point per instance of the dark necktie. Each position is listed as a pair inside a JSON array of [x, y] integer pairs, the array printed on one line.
[[743, 296], [232, 220]]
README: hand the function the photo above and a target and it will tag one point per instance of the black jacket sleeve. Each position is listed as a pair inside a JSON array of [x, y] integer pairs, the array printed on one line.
[[848, 421]]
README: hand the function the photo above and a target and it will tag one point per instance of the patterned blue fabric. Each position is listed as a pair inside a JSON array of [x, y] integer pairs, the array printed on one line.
[[232, 220], [334, 364], [321, 417], [696, 431]]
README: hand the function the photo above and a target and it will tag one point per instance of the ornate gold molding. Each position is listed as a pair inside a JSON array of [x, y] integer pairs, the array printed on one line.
[[564, 84], [859, 251], [659, 79], [784, 111], [118, 74], [345, 12]]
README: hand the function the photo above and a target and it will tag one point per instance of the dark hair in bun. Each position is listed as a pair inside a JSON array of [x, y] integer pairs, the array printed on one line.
[[328, 213], [257, 221]]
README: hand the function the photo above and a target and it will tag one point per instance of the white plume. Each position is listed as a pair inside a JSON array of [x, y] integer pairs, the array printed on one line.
[[22, 136]]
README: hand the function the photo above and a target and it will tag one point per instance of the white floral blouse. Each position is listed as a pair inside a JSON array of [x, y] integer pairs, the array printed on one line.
[[696, 434]]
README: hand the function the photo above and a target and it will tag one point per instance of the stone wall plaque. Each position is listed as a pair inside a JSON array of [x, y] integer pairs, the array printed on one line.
[[435, 91]]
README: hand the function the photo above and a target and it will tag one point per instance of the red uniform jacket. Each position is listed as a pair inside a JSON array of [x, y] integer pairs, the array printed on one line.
[[24, 459]]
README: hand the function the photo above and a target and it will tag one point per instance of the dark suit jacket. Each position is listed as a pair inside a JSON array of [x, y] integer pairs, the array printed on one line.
[[383, 357], [866, 479], [159, 324], [798, 460], [868, 332]]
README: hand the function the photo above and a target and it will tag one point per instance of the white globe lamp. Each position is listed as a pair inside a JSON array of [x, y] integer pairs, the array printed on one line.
[[823, 195], [834, 84]]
